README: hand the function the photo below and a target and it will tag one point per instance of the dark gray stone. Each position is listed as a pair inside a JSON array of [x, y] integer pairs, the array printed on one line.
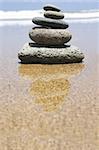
[[51, 23], [53, 14], [32, 53], [50, 36], [51, 7]]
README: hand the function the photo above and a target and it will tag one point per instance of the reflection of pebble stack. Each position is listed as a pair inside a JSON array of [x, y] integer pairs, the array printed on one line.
[[53, 29], [49, 40], [50, 84]]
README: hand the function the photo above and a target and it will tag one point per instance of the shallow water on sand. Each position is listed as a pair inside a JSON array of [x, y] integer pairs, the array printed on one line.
[[49, 107]]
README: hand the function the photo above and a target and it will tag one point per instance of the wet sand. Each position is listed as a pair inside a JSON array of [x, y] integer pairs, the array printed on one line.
[[49, 107]]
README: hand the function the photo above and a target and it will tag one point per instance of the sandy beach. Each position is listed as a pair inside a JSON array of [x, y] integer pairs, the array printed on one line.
[[49, 107]]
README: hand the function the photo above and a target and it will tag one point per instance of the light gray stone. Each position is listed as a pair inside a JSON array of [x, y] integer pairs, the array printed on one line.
[[50, 36], [53, 14], [51, 7], [32, 53], [51, 23]]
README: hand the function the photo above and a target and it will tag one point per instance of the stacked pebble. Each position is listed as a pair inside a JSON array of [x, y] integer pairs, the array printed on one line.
[[52, 29], [49, 40]]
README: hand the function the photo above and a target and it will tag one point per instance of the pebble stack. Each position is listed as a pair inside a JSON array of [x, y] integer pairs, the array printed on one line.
[[49, 40]]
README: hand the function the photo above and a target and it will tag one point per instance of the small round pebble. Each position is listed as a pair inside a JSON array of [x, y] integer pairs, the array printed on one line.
[[51, 7], [53, 14]]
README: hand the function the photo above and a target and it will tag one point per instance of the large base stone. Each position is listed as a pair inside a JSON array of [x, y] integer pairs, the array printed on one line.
[[33, 53]]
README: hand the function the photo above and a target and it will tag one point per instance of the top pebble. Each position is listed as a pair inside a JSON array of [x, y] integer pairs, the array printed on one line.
[[51, 7]]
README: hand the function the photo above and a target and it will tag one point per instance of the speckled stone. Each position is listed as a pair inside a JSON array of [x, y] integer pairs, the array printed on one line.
[[32, 53], [53, 14], [50, 36], [51, 7], [51, 23]]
